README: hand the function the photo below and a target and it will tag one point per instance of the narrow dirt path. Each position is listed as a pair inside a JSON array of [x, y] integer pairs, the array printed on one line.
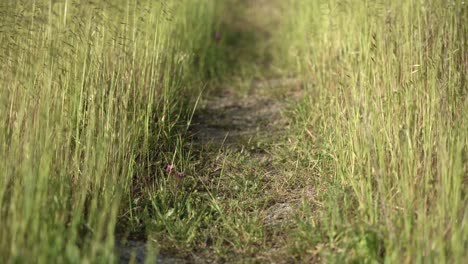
[[238, 135], [225, 127], [230, 120], [235, 130]]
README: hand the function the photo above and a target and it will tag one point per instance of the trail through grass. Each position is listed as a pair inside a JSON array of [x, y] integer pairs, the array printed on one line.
[[233, 131]]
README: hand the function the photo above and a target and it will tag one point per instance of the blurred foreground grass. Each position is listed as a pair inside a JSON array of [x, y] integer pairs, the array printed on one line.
[[93, 101]]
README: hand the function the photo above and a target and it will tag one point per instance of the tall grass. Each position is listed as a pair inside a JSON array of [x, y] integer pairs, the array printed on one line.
[[386, 108], [91, 98]]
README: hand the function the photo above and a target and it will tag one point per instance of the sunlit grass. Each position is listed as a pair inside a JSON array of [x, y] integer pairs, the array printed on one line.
[[91, 101], [387, 110]]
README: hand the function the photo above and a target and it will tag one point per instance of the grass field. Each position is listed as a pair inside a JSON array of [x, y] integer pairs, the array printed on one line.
[[295, 131]]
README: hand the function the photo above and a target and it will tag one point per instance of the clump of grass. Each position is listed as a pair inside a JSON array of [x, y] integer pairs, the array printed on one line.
[[92, 100], [385, 116]]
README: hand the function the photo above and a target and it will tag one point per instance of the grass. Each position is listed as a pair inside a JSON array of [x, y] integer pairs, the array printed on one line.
[[385, 111], [369, 166], [93, 104]]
